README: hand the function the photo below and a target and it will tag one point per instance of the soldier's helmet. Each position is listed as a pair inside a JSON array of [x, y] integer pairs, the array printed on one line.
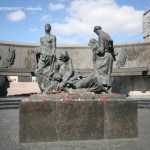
[[97, 27]]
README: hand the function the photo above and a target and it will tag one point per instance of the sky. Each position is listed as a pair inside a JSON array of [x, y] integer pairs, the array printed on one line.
[[72, 21]]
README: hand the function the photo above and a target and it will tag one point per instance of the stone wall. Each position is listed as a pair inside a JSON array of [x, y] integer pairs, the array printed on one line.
[[136, 54]]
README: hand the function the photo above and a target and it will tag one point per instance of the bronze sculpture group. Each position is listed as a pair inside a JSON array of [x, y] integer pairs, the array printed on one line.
[[53, 75]]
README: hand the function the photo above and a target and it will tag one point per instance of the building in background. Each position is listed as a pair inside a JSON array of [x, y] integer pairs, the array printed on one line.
[[146, 25]]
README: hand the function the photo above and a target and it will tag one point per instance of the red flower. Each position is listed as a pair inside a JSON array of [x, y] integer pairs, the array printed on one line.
[[115, 93], [103, 99], [44, 100], [70, 94], [85, 99], [67, 99], [59, 91], [56, 92]]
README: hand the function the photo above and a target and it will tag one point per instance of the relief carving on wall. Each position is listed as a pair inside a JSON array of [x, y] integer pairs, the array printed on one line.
[[30, 61], [121, 58], [10, 58]]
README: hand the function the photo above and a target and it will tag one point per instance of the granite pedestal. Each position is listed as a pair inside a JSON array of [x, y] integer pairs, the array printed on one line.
[[120, 119], [77, 120]]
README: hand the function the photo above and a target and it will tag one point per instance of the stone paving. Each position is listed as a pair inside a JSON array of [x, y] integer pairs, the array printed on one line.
[[9, 136]]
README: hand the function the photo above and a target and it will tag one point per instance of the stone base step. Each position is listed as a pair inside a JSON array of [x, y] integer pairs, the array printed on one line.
[[10, 102], [144, 104], [9, 106]]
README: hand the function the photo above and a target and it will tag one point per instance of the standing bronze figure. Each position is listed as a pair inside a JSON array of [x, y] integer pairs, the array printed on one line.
[[46, 58]]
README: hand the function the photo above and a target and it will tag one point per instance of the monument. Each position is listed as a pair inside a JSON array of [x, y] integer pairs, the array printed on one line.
[[58, 74], [90, 111]]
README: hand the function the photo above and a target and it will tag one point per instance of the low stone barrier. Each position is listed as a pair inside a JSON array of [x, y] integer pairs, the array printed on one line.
[[43, 121]]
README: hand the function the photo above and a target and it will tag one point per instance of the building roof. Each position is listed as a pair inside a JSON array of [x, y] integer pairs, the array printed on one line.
[[146, 12]]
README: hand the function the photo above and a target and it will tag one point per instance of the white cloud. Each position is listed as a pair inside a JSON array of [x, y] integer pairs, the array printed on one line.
[[45, 18], [33, 29], [57, 6], [16, 16], [83, 15]]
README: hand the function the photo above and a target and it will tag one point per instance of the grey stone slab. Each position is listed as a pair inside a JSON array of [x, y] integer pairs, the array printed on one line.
[[109, 97], [37, 121], [77, 120], [63, 120], [81, 120], [121, 119], [51, 97]]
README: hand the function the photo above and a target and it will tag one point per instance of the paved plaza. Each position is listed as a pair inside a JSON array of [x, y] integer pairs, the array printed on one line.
[[9, 136]]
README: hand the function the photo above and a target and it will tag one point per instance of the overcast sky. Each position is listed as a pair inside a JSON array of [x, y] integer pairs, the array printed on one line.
[[72, 21]]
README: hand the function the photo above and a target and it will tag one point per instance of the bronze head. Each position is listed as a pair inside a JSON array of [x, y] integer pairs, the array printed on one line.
[[47, 28]]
